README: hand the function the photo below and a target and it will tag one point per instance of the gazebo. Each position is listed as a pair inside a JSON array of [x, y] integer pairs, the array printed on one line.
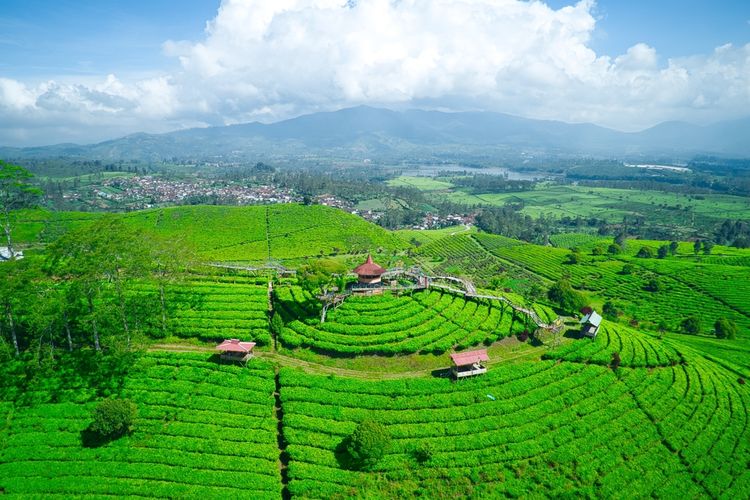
[[369, 273], [235, 350], [590, 324], [466, 364]]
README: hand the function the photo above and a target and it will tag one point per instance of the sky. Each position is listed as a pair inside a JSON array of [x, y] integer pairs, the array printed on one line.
[[90, 70]]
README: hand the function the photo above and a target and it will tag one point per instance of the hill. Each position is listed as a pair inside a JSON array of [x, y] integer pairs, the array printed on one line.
[[230, 233], [365, 132]]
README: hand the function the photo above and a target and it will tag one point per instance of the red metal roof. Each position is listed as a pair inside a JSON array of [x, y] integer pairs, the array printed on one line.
[[234, 345], [469, 357], [369, 268]]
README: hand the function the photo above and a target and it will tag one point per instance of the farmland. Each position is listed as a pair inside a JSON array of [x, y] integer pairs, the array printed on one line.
[[548, 429], [425, 321], [551, 418], [218, 438]]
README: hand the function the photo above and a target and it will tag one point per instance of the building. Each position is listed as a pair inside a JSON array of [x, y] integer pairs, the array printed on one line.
[[6, 255], [369, 273], [466, 364], [234, 350], [590, 324]]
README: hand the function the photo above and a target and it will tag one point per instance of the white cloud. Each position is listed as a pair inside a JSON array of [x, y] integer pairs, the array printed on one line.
[[272, 60]]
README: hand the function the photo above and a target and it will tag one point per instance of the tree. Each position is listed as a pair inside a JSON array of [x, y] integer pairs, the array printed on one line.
[[662, 252], [113, 418], [168, 262], [621, 240], [673, 246], [15, 193], [708, 245], [653, 285], [572, 258], [318, 275], [610, 310], [100, 261], [614, 249], [368, 443], [691, 325], [627, 269], [423, 452], [615, 364], [563, 294], [645, 253], [725, 328], [697, 246]]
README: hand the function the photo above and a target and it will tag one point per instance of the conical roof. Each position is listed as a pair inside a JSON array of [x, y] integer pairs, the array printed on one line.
[[369, 268]]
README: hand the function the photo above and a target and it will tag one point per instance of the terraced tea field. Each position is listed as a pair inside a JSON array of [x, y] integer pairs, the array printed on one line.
[[427, 321], [214, 307], [204, 430], [542, 428]]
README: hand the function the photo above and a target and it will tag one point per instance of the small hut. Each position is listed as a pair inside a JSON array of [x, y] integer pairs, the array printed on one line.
[[369, 273], [590, 324], [466, 364], [235, 350]]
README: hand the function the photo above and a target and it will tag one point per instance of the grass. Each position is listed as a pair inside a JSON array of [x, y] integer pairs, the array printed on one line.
[[421, 183], [612, 204]]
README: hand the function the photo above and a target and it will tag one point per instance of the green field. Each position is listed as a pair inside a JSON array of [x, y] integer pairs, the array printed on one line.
[[612, 204], [237, 234], [552, 417], [421, 183], [424, 321], [204, 431]]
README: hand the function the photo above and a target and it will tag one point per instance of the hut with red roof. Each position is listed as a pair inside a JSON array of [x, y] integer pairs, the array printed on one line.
[[466, 364], [235, 350], [369, 272]]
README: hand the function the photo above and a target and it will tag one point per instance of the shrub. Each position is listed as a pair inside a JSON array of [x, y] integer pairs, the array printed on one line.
[[562, 293], [691, 325], [614, 249], [113, 418], [725, 328], [523, 336], [368, 443], [645, 253], [423, 452], [653, 285], [627, 269], [663, 251], [615, 364]]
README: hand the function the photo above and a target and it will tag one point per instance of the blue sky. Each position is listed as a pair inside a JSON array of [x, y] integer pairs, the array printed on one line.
[[89, 70], [51, 38]]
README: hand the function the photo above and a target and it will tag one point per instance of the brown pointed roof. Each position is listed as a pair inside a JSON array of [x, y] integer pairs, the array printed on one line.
[[369, 268]]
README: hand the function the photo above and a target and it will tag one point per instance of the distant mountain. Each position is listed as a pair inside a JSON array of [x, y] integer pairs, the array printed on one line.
[[365, 132]]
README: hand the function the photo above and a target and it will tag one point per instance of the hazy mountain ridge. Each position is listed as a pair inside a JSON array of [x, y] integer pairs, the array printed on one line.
[[374, 132]]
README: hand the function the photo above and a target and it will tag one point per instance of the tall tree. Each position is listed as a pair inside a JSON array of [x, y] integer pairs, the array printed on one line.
[[15, 192], [97, 261]]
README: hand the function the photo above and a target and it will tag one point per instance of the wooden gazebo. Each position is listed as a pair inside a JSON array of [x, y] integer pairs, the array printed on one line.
[[590, 324], [369, 273], [235, 350], [466, 364]]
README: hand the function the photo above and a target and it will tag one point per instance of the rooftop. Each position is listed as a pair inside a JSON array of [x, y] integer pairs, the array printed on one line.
[[369, 268], [592, 318], [469, 357], [234, 345]]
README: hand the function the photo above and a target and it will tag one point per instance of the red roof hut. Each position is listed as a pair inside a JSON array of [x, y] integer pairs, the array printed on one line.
[[368, 272], [234, 350], [469, 363]]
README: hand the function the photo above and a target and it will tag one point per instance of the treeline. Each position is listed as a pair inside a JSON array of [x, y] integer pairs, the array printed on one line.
[[100, 287], [484, 183]]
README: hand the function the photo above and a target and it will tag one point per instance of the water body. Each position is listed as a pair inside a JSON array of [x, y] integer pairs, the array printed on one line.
[[434, 170]]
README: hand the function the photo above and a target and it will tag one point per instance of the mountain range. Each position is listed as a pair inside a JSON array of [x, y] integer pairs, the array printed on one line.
[[366, 132]]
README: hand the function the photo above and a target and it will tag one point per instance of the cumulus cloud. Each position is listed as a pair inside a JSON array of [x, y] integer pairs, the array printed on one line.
[[262, 60]]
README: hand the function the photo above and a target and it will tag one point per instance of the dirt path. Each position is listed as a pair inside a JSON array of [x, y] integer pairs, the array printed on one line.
[[319, 368]]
